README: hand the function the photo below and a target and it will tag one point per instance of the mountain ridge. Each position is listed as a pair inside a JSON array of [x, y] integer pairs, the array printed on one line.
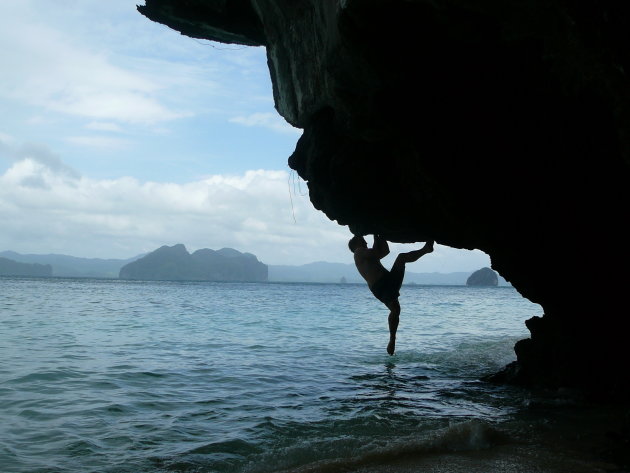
[[9, 267], [175, 263], [73, 266], [316, 272]]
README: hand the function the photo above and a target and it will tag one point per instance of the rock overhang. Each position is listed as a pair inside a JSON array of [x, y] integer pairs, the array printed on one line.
[[501, 126]]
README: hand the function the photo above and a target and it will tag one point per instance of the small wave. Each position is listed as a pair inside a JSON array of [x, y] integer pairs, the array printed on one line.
[[54, 375], [116, 409], [448, 304], [82, 448], [139, 377], [461, 437], [470, 435], [37, 414], [236, 447]]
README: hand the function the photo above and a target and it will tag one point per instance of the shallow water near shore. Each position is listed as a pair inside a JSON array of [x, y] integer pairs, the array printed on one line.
[[119, 376]]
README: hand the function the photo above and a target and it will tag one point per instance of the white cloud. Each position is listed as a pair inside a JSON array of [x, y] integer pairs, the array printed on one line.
[[8, 139], [46, 68], [46, 209], [37, 154], [103, 126], [98, 141], [122, 69], [271, 121], [81, 73]]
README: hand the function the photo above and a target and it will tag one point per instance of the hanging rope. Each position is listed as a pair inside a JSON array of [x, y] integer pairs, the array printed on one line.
[[296, 183], [290, 196]]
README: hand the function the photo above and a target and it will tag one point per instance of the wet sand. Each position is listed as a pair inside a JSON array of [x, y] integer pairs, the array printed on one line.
[[580, 439], [546, 439], [505, 459]]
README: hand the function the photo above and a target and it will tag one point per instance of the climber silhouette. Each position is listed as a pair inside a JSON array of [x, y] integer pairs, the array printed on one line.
[[385, 285]]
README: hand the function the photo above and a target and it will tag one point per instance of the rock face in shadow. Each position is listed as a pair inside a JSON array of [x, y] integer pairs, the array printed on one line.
[[409, 108], [9, 267], [483, 277], [174, 263]]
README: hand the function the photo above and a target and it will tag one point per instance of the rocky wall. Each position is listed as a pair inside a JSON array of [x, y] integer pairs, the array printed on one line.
[[500, 125]]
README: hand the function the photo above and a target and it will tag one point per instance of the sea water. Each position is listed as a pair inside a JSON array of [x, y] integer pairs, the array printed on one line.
[[120, 376]]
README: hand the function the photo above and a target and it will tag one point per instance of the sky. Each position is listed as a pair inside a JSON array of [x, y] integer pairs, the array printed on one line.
[[119, 135]]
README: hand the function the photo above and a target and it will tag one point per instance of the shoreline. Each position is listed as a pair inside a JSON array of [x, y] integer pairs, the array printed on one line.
[[547, 439]]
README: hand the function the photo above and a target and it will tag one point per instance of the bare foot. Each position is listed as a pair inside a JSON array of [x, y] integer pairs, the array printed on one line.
[[391, 346], [428, 246]]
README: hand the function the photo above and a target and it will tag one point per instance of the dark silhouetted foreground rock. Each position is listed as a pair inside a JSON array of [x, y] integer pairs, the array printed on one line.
[[174, 263], [410, 108], [483, 277], [13, 268]]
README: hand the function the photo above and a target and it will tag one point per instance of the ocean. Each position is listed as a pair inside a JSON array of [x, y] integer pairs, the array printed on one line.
[[127, 377]]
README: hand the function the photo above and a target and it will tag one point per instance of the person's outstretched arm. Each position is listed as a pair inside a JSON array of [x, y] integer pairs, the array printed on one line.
[[380, 246]]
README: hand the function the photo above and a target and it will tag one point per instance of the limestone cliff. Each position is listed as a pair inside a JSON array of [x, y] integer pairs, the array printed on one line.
[[409, 107]]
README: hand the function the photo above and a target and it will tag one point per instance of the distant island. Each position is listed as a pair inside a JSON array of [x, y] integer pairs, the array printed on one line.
[[318, 272], [483, 277], [10, 267], [73, 266], [324, 272], [175, 263]]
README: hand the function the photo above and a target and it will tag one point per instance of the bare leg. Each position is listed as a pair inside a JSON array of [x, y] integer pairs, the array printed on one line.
[[415, 255], [398, 271], [393, 319]]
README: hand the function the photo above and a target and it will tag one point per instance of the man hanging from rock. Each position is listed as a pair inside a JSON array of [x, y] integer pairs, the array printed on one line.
[[385, 285]]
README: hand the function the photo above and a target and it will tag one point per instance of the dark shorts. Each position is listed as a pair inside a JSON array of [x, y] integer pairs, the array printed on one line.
[[386, 289]]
